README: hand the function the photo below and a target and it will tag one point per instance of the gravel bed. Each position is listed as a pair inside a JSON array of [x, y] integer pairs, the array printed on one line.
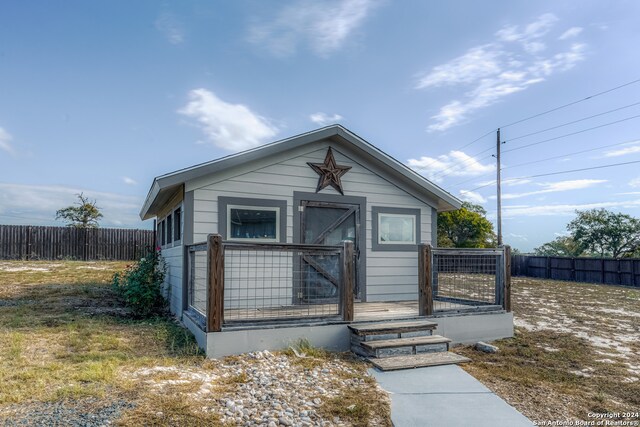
[[274, 391], [85, 413]]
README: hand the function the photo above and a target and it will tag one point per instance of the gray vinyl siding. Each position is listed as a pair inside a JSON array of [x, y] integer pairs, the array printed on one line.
[[390, 275], [173, 279]]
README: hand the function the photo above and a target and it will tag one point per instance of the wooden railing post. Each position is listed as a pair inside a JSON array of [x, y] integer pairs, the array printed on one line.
[[347, 281], [507, 278], [215, 282], [425, 280]]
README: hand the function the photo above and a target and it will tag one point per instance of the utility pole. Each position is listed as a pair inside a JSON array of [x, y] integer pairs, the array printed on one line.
[[499, 191]]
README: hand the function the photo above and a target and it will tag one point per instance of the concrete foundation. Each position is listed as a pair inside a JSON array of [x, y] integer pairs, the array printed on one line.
[[471, 328], [461, 329], [225, 343]]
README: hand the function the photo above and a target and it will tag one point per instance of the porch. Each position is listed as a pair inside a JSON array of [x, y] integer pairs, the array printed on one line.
[[243, 297]]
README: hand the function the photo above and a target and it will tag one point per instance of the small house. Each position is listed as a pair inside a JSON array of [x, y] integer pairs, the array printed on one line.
[[297, 220]]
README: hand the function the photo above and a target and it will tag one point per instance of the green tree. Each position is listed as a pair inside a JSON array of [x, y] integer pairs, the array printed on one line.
[[85, 213], [466, 227], [606, 233], [560, 246]]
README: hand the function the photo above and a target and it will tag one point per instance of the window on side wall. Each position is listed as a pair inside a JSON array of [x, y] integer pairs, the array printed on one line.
[[177, 225], [169, 221], [163, 232], [395, 229]]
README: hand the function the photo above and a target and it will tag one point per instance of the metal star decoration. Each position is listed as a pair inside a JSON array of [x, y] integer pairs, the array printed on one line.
[[330, 172]]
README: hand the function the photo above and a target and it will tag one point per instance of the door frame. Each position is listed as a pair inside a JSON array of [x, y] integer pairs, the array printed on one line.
[[299, 196]]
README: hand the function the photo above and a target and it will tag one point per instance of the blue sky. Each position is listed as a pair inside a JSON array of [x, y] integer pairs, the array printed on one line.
[[100, 97]]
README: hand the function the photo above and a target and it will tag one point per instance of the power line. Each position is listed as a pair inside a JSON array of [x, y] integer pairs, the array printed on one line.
[[572, 133], [434, 161], [572, 122], [571, 154], [571, 103], [477, 139], [555, 173], [551, 158], [470, 160]]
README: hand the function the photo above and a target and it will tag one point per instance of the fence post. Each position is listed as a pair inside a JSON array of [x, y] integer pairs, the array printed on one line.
[[507, 278], [499, 280], [425, 280], [347, 281], [215, 282]]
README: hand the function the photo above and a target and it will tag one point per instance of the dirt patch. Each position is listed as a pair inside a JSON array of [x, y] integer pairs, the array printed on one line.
[[71, 355], [576, 350]]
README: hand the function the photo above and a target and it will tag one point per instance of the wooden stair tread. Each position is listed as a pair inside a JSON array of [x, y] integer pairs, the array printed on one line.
[[391, 327], [418, 361], [405, 342]]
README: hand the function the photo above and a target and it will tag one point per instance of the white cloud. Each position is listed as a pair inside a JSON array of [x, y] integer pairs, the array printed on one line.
[[623, 151], [129, 181], [38, 204], [635, 182], [470, 196], [492, 71], [230, 126], [570, 33], [323, 119], [562, 209], [519, 237], [324, 26], [5, 143], [628, 193], [478, 62], [456, 163], [555, 187], [529, 35], [170, 27]]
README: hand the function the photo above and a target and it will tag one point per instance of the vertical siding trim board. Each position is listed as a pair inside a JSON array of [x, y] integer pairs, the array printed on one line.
[[375, 246], [187, 239], [434, 228], [299, 196]]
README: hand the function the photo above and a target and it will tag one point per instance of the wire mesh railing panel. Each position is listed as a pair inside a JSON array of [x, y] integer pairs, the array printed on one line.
[[197, 281], [280, 282], [467, 279]]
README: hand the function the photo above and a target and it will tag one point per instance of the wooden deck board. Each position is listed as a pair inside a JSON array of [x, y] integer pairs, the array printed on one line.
[[363, 311], [418, 360], [398, 342]]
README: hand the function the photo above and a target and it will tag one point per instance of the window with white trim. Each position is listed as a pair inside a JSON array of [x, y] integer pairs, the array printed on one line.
[[394, 229], [261, 224]]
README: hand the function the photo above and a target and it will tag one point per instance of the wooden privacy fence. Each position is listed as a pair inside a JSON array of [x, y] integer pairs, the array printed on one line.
[[623, 271], [232, 283], [30, 242]]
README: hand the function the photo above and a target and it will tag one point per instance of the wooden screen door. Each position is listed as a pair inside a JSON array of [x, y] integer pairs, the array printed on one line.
[[328, 224]]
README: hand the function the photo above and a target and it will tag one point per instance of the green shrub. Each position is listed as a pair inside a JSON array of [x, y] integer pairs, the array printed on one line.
[[140, 286]]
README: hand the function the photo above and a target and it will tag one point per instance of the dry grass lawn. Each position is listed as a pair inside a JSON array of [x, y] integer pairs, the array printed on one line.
[[576, 350], [66, 340]]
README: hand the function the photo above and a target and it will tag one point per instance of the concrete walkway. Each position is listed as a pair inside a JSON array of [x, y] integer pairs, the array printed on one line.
[[444, 396]]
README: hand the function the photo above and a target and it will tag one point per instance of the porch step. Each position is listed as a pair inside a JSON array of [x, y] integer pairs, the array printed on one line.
[[418, 361], [400, 327], [402, 344], [415, 345]]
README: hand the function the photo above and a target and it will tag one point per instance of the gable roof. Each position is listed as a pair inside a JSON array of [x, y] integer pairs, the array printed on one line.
[[165, 186]]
